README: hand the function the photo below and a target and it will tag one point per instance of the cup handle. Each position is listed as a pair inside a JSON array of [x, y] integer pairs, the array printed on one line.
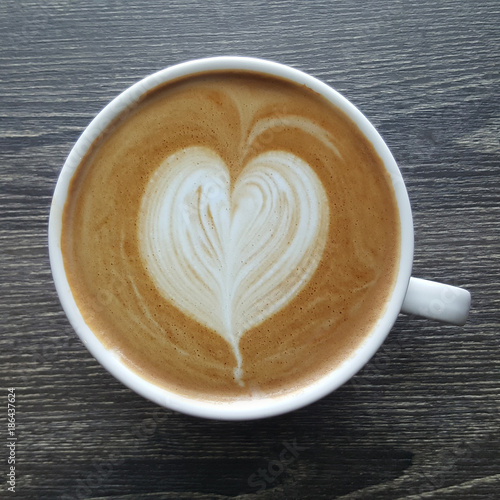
[[429, 299]]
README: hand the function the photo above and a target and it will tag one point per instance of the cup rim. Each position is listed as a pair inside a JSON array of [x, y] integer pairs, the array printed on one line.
[[247, 409]]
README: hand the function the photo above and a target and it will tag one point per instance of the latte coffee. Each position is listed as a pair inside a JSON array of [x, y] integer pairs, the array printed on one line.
[[232, 235]]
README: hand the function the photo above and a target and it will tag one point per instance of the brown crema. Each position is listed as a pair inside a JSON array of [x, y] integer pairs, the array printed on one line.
[[317, 329]]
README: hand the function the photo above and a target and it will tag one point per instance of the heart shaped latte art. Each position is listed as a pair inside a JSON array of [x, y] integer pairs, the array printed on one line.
[[232, 256]]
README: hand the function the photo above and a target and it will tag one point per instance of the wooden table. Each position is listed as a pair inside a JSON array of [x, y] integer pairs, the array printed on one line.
[[421, 420]]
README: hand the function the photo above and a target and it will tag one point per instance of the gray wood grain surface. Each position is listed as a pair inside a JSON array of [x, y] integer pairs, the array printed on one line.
[[421, 420]]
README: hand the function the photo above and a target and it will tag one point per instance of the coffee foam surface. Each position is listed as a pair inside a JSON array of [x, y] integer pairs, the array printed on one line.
[[232, 257], [234, 235]]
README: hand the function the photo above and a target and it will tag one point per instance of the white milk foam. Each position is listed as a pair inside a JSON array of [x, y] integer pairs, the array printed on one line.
[[232, 256]]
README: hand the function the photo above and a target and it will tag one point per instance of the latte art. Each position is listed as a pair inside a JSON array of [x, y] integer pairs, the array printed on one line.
[[232, 235], [232, 256]]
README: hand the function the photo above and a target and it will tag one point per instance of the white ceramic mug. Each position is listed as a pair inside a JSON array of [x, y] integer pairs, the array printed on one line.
[[411, 295]]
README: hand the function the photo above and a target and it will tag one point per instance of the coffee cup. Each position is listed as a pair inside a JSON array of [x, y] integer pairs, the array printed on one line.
[[232, 239]]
